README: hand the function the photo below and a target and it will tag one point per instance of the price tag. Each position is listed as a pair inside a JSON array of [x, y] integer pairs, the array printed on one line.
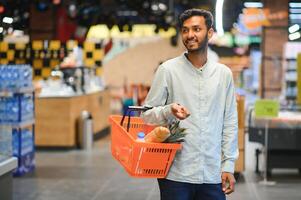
[[265, 108]]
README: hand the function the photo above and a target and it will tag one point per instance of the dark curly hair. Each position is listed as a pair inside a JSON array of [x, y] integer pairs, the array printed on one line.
[[196, 12]]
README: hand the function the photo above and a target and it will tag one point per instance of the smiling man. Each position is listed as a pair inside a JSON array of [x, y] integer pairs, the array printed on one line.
[[200, 92]]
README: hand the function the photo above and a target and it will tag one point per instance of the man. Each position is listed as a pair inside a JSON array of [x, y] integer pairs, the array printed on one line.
[[200, 92]]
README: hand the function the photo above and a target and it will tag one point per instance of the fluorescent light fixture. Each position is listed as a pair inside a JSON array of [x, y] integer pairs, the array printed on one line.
[[294, 36], [295, 5], [219, 17], [253, 4], [1, 29], [295, 16], [293, 28], [7, 20], [162, 6], [295, 10], [155, 7]]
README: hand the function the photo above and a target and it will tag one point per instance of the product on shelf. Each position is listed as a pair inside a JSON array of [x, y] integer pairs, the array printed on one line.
[[22, 142], [290, 83], [23, 149], [17, 108], [13, 77]]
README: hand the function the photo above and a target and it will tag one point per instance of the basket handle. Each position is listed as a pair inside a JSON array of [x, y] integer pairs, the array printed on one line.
[[128, 112]]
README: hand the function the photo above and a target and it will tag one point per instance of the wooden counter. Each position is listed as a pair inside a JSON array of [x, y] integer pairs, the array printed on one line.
[[57, 117]]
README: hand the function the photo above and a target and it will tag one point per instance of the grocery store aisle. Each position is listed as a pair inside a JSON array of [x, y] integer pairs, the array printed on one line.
[[80, 175]]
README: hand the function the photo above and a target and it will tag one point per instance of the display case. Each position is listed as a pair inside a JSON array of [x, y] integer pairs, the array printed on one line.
[[284, 137]]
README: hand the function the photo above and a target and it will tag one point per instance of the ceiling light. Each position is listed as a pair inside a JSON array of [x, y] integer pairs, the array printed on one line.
[[253, 4], [162, 6], [295, 16], [293, 28], [294, 36], [155, 7], [295, 5], [72, 10], [158, 8], [7, 20], [219, 17], [295, 10]]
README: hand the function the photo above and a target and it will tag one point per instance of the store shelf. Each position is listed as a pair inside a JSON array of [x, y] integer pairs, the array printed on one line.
[[290, 80], [291, 70], [290, 59], [290, 76], [9, 93], [291, 97], [8, 165], [18, 124]]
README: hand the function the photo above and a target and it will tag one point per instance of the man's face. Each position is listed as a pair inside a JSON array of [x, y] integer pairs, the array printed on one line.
[[194, 33]]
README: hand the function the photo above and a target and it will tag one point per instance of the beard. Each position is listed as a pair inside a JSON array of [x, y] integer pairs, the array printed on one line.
[[202, 46]]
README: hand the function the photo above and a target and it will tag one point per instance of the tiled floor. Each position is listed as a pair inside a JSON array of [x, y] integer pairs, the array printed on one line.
[[94, 175]]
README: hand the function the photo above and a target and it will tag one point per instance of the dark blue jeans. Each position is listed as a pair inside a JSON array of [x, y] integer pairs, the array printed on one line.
[[173, 190]]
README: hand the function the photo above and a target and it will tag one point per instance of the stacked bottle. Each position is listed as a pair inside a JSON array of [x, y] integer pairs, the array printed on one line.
[[16, 108], [14, 77], [26, 146], [17, 116]]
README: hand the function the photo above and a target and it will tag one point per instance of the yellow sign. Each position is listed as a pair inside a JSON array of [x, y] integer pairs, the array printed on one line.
[[101, 31], [266, 108]]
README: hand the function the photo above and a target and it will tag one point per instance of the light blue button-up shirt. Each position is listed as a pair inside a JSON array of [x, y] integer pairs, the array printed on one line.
[[210, 146]]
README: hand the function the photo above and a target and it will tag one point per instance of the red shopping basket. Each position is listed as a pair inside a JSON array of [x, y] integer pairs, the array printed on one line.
[[149, 160]]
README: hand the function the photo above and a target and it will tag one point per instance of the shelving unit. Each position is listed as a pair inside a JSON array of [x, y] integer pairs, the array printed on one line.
[[290, 73], [25, 161], [7, 162], [290, 78], [6, 167], [17, 116]]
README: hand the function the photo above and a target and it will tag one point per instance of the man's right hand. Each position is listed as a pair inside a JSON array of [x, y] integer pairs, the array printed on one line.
[[179, 111]]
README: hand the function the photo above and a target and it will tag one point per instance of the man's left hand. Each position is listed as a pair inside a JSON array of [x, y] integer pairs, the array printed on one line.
[[228, 182]]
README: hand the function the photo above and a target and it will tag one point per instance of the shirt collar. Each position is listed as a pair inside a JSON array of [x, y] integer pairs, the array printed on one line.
[[207, 69]]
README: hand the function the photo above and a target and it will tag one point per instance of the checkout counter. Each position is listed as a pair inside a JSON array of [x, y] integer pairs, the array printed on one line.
[[59, 105], [57, 117]]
